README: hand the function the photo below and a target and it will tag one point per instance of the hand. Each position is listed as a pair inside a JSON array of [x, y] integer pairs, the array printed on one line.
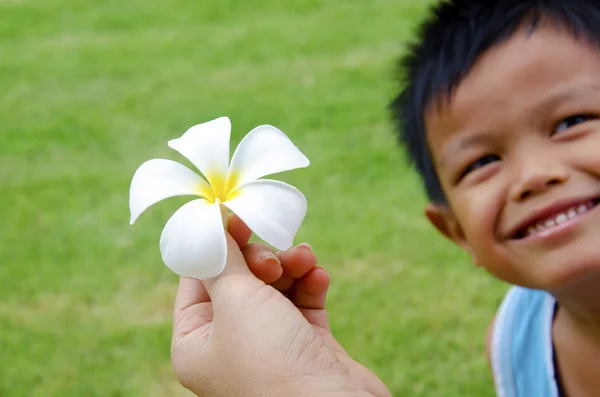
[[260, 328]]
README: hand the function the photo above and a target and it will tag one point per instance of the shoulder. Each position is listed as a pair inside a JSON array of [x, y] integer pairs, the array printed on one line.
[[489, 337], [518, 305], [518, 341]]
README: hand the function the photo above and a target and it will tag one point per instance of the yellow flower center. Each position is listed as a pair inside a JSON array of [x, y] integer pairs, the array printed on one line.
[[219, 187]]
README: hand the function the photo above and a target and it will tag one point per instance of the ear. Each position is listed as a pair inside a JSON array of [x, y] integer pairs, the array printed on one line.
[[442, 218]]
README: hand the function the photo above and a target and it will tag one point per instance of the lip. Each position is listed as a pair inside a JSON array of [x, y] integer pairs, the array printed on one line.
[[547, 211]]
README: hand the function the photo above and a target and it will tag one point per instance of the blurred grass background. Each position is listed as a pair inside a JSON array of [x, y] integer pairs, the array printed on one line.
[[91, 89]]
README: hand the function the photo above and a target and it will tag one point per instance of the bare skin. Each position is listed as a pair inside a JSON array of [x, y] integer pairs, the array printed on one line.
[[516, 146], [261, 329]]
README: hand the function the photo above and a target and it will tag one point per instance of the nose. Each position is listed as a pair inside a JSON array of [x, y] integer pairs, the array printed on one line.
[[536, 176]]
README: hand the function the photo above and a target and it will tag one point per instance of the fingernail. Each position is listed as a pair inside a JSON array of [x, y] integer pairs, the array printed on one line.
[[269, 256], [304, 245]]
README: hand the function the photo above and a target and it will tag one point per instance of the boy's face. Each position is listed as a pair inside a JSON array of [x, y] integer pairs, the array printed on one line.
[[517, 151]]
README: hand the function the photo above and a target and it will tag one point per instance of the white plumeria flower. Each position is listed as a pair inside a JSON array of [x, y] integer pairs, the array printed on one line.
[[193, 242]]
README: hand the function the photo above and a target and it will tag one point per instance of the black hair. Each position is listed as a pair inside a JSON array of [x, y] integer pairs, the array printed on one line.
[[454, 36]]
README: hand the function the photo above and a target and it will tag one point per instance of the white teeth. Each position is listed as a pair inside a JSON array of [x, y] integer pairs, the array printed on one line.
[[560, 218]]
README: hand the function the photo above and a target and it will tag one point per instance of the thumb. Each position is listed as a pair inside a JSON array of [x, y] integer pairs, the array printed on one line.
[[235, 277]]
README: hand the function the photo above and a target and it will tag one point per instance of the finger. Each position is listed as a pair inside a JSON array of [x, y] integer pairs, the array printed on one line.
[[283, 284], [192, 308], [190, 292], [297, 261], [320, 319], [235, 278], [263, 262], [238, 230], [310, 292]]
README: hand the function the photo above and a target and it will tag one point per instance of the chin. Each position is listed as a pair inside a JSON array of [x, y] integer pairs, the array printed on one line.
[[571, 262], [576, 275], [553, 272]]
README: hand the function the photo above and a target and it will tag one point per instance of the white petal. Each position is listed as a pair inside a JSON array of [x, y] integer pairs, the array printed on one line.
[[207, 147], [158, 179], [265, 151], [193, 244], [273, 210]]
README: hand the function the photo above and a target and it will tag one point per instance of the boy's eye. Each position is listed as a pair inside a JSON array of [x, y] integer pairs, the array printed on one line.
[[479, 163], [572, 121]]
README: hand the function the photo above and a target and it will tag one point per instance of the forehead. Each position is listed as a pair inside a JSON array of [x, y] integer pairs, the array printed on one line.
[[509, 82]]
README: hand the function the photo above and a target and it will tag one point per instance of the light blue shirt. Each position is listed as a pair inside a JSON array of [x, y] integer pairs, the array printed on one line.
[[522, 353]]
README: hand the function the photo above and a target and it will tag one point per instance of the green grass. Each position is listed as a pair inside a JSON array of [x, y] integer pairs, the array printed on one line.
[[91, 89]]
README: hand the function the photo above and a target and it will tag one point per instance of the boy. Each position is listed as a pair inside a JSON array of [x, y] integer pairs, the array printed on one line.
[[501, 117]]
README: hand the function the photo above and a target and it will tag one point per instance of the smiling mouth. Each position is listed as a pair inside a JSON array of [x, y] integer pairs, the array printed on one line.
[[556, 219]]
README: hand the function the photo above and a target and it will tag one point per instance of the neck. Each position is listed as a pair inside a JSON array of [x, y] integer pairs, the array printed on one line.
[[576, 340], [580, 306], [576, 337]]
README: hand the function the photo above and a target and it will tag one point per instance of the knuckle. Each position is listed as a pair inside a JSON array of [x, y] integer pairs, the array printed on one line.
[[257, 247]]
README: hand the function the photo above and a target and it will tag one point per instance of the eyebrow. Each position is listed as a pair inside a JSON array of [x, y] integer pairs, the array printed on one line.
[[476, 139], [546, 104], [553, 99]]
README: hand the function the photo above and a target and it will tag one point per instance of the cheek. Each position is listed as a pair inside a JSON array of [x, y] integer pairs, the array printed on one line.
[[478, 215], [481, 217], [584, 154]]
